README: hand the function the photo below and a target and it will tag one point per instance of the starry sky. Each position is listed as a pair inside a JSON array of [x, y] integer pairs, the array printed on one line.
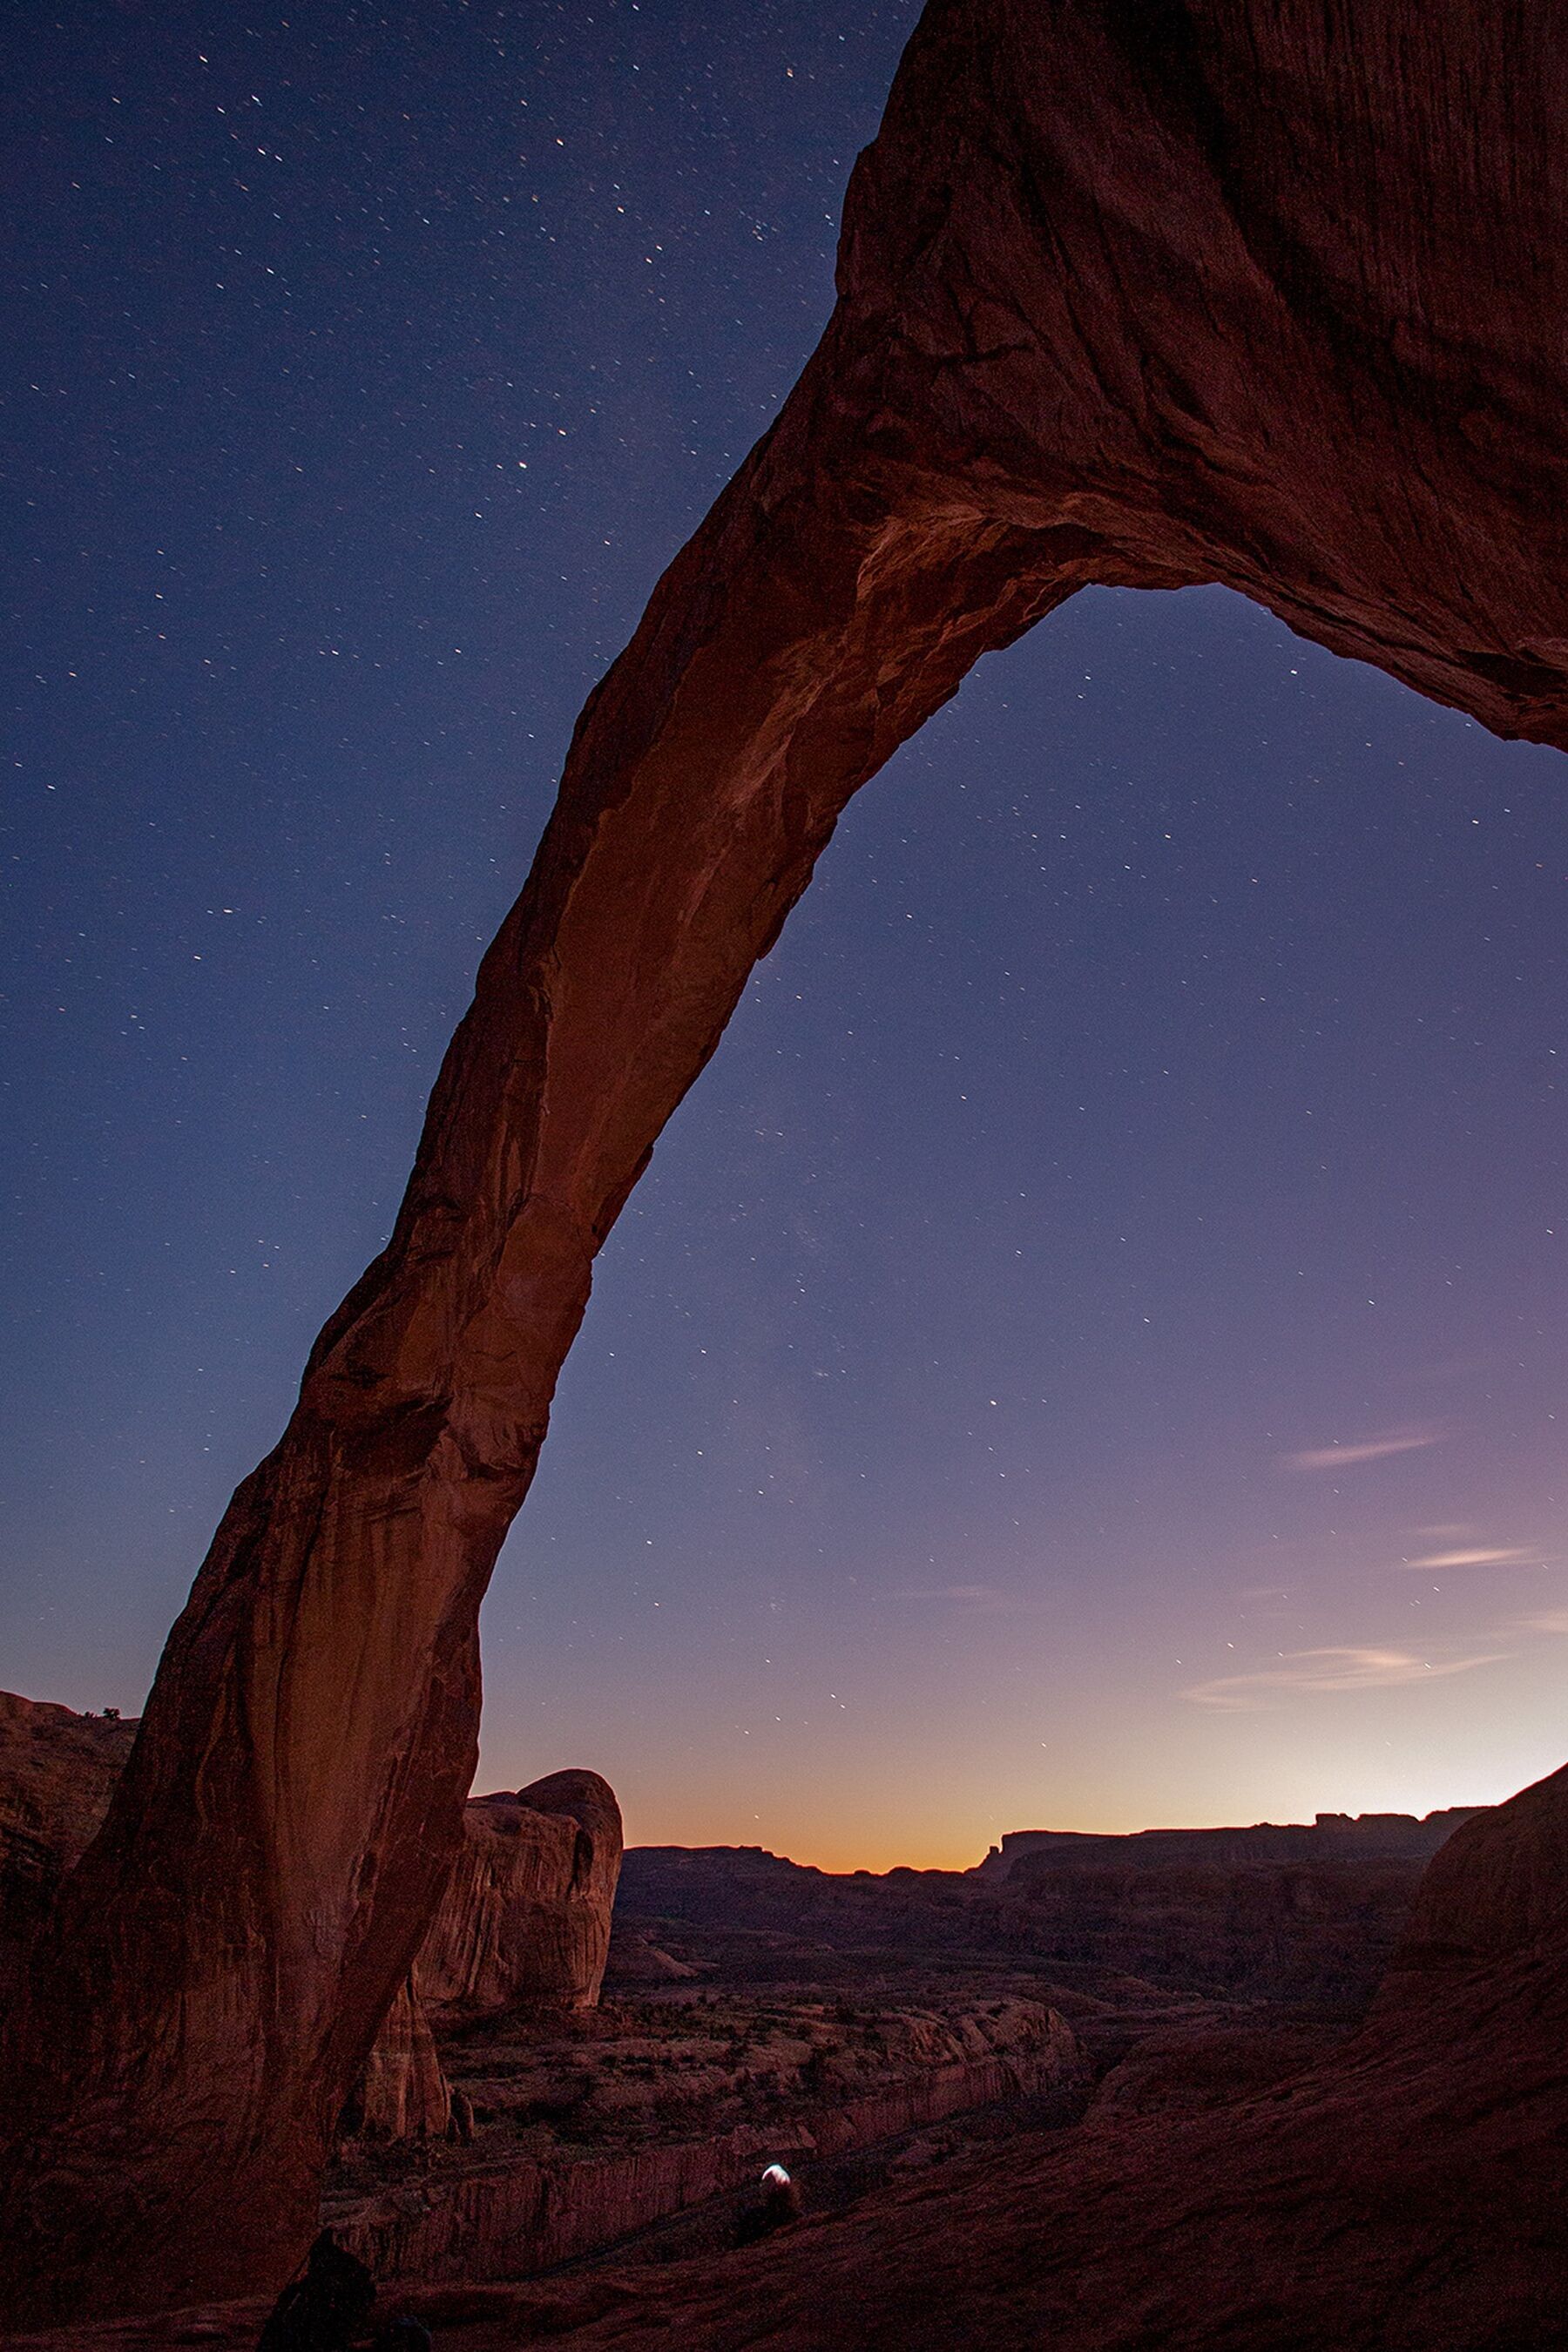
[[1085, 1353]]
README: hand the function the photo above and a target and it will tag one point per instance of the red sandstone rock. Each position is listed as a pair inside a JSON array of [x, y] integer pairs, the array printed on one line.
[[1497, 1888], [524, 1924], [1405, 2194], [525, 1920], [57, 1769], [485, 2219], [403, 2094], [1222, 290]]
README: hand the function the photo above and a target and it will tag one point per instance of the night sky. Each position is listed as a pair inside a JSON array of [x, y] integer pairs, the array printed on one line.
[[1085, 1353]]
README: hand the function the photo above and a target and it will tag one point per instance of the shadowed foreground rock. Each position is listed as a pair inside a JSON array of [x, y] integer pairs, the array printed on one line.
[[1137, 291], [57, 1769]]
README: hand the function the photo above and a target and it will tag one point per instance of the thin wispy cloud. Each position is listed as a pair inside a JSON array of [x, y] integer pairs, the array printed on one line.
[[1477, 1556], [1311, 1672], [1339, 1457], [1545, 1621]]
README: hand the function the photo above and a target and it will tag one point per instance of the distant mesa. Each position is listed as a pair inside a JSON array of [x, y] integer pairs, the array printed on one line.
[[1369, 1837], [1303, 1911]]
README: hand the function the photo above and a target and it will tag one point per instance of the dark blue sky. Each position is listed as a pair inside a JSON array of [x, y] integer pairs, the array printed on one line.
[[1156, 1097]]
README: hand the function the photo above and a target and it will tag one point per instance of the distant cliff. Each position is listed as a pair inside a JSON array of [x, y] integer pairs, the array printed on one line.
[[1298, 1912], [1331, 1837]]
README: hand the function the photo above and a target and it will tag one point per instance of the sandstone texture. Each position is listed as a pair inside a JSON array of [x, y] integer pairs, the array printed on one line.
[[525, 1919], [657, 2107], [57, 1769], [1134, 292], [1499, 1887], [404, 2093], [523, 1926]]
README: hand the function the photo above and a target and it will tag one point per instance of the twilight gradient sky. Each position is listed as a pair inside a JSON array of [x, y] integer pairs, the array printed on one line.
[[1087, 1351]]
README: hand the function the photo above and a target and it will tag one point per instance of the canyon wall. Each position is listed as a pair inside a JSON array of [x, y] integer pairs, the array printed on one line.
[[523, 1925], [1201, 291], [1281, 1912], [514, 2218], [57, 1769], [1404, 2194]]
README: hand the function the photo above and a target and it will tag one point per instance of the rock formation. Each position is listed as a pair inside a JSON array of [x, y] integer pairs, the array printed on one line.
[[523, 1925], [1137, 291], [581, 2140], [1404, 2194], [525, 1920], [1292, 1912], [1499, 1887], [57, 1769], [1331, 1837], [404, 2093]]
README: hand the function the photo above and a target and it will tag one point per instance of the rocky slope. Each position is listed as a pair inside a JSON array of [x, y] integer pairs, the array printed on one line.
[[1196, 290], [1403, 2193], [658, 2105], [1500, 1888]]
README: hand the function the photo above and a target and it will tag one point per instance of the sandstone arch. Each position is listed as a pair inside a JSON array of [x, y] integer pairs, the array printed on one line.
[[1145, 292]]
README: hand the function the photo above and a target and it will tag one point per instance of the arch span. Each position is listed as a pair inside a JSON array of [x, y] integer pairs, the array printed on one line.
[[1137, 292]]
